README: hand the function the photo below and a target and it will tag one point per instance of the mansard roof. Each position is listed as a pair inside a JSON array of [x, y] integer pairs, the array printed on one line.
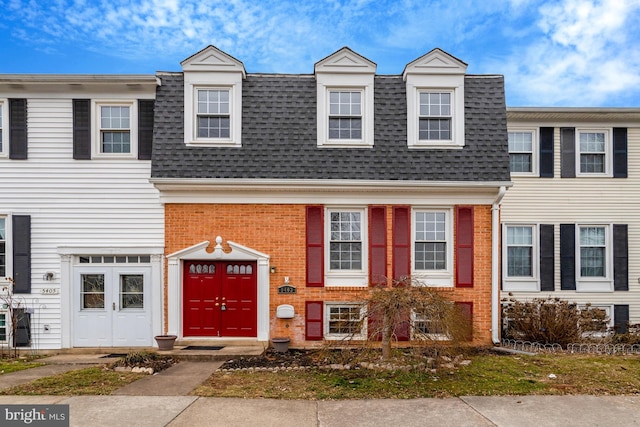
[[279, 139]]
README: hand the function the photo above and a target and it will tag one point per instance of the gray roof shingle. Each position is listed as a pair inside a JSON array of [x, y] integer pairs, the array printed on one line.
[[279, 136]]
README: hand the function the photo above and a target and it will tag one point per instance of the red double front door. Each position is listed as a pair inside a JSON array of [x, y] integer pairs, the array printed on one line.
[[220, 299]]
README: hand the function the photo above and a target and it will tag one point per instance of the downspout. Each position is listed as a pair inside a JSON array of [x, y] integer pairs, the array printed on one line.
[[495, 266]]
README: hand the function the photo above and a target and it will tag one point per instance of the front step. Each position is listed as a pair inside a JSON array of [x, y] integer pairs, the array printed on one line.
[[225, 353], [226, 342]]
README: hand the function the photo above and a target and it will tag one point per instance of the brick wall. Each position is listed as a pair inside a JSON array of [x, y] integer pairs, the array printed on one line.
[[279, 230]]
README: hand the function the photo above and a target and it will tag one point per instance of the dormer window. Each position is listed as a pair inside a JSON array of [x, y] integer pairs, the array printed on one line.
[[213, 113], [435, 101], [213, 99], [435, 116], [345, 115], [345, 100]]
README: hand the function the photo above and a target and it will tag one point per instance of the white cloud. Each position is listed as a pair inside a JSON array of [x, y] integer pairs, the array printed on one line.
[[586, 56]]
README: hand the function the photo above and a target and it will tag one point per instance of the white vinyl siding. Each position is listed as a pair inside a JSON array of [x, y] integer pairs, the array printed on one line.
[[106, 203], [592, 200]]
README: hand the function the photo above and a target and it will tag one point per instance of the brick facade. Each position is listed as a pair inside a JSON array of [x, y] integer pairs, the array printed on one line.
[[279, 231]]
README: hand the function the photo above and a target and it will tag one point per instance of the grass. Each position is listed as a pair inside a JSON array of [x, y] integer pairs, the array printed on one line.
[[12, 365], [487, 375], [88, 381]]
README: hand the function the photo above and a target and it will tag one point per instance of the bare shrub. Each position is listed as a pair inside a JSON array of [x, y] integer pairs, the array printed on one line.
[[551, 321]]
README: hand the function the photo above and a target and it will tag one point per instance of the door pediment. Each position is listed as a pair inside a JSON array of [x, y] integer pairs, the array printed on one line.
[[238, 252]]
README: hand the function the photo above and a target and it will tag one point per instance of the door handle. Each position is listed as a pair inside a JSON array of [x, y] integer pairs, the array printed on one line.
[[113, 305], [224, 307]]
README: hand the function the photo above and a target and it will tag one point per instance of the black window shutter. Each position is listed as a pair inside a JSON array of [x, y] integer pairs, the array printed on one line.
[[145, 128], [547, 258], [81, 129], [621, 319], [568, 257], [619, 152], [18, 129], [620, 258], [22, 254], [546, 152], [568, 152]]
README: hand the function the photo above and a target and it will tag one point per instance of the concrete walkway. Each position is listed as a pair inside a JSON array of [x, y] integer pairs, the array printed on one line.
[[191, 411]]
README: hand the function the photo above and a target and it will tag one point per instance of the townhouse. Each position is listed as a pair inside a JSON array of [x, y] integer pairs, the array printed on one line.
[[81, 227], [286, 197], [570, 224]]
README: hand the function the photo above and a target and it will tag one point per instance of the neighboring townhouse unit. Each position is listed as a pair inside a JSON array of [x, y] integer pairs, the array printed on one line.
[[81, 227], [288, 196], [570, 224]]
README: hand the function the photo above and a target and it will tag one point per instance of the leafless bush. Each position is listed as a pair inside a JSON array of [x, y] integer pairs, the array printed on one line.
[[551, 321]]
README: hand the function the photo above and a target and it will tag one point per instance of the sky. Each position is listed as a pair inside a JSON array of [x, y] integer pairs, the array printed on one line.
[[556, 53]]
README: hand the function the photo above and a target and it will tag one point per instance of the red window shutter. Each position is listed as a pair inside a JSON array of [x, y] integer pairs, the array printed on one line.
[[314, 320], [464, 246], [401, 242], [377, 245], [315, 246], [466, 311]]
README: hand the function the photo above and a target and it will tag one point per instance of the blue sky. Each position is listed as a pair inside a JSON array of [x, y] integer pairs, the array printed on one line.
[[583, 53]]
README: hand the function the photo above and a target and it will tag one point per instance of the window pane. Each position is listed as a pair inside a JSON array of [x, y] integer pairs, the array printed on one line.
[[345, 103], [520, 142], [214, 127], [592, 236], [345, 320], [435, 129], [592, 142], [435, 104], [431, 256], [430, 251], [213, 101], [592, 262], [131, 291], [519, 261], [345, 128], [520, 162], [116, 142], [116, 117], [92, 291], [592, 163], [519, 236]]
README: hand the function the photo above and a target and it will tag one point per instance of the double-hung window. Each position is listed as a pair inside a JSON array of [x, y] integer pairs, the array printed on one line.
[[593, 251], [115, 129], [432, 246], [593, 148], [435, 116], [344, 321], [346, 254], [522, 152], [213, 114], [520, 261], [429, 326], [520, 251], [345, 115]]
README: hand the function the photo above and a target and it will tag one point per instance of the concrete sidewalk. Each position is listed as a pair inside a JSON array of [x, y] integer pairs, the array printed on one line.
[[155, 411]]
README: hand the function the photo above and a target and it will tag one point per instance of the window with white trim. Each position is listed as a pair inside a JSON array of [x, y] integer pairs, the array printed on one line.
[[116, 129], [3, 247], [346, 245], [213, 115], [345, 115], [593, 152], [522, 152], [520, 262], [598, 330], [344, 321], [433, 246], [427, 326], [593, 251], [435, 116], [594, 258]]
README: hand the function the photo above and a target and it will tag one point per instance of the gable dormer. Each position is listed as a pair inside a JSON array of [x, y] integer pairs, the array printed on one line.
[[212, 98], [345, 100], [435, 101]]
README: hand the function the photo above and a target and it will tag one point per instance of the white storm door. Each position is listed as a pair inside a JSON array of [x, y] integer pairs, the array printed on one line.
[[92, 324], [131, 306], [112, 306]]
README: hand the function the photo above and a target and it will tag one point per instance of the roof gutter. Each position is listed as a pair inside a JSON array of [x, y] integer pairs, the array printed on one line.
[[495, 266]]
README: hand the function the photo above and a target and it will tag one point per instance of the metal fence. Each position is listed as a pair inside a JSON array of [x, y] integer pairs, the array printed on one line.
[[582, 348]]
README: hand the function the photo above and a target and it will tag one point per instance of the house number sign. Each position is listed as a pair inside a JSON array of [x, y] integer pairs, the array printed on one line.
[[286, 289], [49, 291]]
